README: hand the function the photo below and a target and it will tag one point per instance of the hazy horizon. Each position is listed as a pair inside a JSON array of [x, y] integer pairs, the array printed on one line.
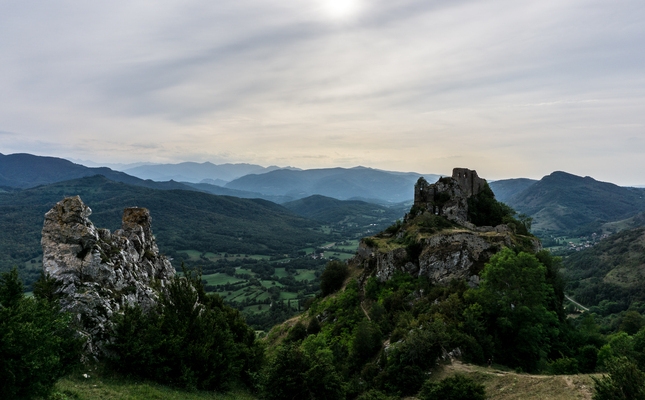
[[506, 88]]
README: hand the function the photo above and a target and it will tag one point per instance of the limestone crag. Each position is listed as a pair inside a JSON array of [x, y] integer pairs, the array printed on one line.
[[448, 255], [98, 272]]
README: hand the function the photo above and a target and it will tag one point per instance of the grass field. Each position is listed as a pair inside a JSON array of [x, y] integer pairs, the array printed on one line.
[[220, 279], [281, 273], [505, 385], [78, 388], [342, 256], [500, 384], [305, 274]]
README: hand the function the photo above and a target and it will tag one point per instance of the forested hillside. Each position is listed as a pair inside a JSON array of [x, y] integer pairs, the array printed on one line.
[[565, 203], [182, 220], [609, 276]]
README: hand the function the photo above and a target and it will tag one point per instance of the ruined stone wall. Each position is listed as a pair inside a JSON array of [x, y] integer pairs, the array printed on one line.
[[471, 184], [449, 195]]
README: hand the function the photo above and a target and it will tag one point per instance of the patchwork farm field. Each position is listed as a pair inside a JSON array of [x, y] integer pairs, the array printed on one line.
[[267, 289]]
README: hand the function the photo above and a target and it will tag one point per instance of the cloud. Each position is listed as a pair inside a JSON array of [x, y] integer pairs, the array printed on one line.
[[406, 85]]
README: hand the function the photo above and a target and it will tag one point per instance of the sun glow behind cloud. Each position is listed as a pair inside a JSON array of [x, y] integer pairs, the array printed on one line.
[[340, 10]]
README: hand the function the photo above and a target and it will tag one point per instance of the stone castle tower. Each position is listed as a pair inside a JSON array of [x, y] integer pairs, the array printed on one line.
[[449, 195]]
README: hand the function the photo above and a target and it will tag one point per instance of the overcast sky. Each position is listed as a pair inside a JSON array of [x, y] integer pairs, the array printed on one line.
[[509, 88]]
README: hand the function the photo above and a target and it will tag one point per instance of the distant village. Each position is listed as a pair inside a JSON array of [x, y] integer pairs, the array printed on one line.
[[595, 238]]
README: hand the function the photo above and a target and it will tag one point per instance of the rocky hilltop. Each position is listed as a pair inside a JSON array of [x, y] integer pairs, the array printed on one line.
[[439, 238], [98, 272]]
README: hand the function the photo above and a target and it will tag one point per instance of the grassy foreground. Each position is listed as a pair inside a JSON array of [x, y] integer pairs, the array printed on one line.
[[508, 385], [77, 387], [500, 385]]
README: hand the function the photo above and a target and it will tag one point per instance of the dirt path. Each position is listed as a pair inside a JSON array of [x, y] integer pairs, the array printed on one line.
[[365, 312], [576, 303]]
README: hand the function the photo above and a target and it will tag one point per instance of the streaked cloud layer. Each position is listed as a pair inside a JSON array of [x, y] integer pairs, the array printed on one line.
[[508, 88]]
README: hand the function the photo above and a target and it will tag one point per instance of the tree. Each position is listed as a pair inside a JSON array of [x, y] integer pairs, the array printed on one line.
[[366, 341], [484, 210], [189, 339], [37, 346], [333, 277], [515, 296], [295, 374], [631, 322]]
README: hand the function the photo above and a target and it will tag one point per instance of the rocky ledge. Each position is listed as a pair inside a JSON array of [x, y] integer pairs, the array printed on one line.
[[97, 272]]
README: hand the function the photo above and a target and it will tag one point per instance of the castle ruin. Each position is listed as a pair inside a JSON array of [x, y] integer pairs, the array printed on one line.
[[449, 195]]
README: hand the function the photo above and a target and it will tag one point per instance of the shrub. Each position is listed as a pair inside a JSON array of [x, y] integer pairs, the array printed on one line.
[[458, 387], [483, 209], [374, 394], [333, 277], [587, 358], [625, 381], [294, 374], [366, 341], [189, 339], [296, 333], [370, 242], [408, 361], [564, 366], [36, 344]]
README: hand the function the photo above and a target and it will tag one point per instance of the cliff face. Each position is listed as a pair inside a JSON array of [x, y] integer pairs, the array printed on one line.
[[98, 272], [455, 253], [436, 240]]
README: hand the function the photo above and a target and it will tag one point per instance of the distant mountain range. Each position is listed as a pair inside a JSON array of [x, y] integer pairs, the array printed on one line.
[[562, 202], [270, 183], [198, 172], [507, 188], [359, 183], [24, 171], [559, 202]]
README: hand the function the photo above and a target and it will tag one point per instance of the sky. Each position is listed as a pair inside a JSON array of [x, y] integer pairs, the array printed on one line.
[[508, 88]]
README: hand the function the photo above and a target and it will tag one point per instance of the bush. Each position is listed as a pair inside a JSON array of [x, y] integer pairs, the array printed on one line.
[[564, 366], [374, 395], [189, 339], [294, 374], [366, 341], [484, 210], [587, 358], [409, 360], [37, 347], [333, 277], [458, 387], [625, 381], [296, 333]]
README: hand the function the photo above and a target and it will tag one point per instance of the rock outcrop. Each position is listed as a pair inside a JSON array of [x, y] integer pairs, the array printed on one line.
[[458, 250], [97, 272], [444, 256]]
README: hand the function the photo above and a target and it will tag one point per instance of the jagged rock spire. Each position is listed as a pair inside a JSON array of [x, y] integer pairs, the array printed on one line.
[[97, 272]]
